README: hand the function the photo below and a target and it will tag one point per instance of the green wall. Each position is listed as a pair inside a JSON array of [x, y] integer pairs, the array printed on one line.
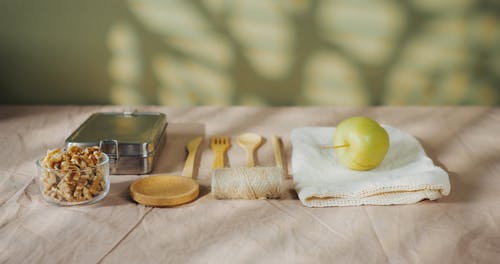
[[250, 52]]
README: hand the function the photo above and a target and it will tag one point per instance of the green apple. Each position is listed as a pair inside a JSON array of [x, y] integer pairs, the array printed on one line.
[[360, 143]]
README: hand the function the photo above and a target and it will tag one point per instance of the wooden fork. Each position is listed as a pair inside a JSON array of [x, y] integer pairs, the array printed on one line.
[[219, 145]]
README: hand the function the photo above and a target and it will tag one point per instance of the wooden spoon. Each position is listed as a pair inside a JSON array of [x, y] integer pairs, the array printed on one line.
[[169, 190], [250, 142]]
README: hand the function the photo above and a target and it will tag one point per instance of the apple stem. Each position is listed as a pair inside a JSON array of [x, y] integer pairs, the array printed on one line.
[[335, 147]]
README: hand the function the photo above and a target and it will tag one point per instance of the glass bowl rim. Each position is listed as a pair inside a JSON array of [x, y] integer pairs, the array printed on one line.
[[105, 160]]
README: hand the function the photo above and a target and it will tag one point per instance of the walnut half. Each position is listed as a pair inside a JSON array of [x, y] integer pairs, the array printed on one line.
[[73, 175]]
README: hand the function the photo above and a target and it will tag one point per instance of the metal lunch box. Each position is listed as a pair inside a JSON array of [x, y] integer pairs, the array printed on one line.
[[132, 140]]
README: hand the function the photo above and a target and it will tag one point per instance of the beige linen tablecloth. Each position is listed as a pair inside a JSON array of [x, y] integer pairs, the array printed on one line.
[[461, 228]]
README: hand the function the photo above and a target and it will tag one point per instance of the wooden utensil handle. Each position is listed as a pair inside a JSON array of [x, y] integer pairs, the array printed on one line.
[[277, 151], [192, 148], [189, 165], [219, 160], [250, 158]]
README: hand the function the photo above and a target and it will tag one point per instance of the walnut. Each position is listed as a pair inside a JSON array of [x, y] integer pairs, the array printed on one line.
[[73, 176]]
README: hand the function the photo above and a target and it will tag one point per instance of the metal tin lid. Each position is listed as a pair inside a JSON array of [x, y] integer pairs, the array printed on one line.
[[121, 133]]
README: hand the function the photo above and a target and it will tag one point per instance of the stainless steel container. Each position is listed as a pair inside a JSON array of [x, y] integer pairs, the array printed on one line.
[[132, 140]]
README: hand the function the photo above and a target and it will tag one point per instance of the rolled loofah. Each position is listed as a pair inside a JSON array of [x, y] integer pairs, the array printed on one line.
[[247, 183]]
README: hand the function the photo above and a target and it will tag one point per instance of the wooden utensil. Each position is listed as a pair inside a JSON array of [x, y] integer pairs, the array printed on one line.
[[250, 142], [278, 144], [169, 190], [219, 145], [192, 148]]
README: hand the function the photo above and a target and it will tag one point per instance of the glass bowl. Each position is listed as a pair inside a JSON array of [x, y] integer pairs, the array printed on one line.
[[74, 186]]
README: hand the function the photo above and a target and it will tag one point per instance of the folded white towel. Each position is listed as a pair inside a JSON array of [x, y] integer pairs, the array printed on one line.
[[405, 176]]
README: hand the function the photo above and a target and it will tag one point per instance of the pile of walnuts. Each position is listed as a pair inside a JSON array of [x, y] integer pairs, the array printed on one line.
[[73, 176]]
